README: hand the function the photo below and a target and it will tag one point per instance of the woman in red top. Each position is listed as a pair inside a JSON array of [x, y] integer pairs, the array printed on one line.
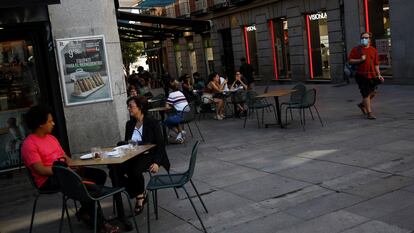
[[366, 57], [40, 149]]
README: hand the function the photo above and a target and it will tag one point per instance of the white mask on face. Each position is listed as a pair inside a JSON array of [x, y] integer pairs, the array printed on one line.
[[364, 41]]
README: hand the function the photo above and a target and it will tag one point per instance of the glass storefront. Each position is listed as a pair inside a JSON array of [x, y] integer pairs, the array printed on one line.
[[192, 57], [19, 90], [280, 41], [251, 46], [318, 46], [208, 53], [378, 22]]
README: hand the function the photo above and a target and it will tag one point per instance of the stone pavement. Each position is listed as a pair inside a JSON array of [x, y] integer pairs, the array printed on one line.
[[353, 175]]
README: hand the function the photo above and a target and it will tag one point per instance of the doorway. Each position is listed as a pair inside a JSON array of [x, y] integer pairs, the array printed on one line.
[[318, 46], [227, 59], [281, 55]]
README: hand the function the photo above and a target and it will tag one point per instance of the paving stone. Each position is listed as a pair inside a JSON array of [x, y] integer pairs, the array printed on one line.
[[376, 227], [275, 186], [354, 179], [383, 205], [401, 218], [329, 223], [318, 171], [400, 146], [323, 205]]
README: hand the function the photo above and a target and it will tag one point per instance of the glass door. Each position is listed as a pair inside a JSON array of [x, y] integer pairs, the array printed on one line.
[[19, 90], [280, 41]]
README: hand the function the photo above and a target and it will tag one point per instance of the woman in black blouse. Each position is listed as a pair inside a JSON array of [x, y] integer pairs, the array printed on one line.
[[143, 129]]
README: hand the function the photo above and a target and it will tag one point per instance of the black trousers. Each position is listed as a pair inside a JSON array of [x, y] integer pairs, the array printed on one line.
[[95, 175], [129, 174]]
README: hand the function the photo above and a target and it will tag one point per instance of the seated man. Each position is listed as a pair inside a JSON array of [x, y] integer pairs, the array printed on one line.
[[40, 149]]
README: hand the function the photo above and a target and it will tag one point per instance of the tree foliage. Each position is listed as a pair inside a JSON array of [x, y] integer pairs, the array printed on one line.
[[130, 53]]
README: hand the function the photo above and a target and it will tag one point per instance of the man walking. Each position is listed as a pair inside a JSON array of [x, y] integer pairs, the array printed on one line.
[[368, 74]]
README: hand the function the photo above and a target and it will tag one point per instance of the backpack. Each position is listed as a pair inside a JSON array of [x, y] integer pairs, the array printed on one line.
[[351, 69]]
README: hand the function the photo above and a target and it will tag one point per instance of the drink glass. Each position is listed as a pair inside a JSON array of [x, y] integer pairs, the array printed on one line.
[[97, 152]]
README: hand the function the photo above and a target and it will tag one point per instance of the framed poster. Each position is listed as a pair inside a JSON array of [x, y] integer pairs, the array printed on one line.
[[84, 72]]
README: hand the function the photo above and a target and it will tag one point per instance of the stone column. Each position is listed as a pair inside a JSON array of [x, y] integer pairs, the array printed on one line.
[[101, 123]]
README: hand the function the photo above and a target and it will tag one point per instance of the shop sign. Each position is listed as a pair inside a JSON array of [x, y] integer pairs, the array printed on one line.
[[317, 16], [251, 28], [84, 70]]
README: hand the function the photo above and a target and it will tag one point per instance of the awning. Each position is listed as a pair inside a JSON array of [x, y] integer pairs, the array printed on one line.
[[25, 3], [155, 3], [138, 27]]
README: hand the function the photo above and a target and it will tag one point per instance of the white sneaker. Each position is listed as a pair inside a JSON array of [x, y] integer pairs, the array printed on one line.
[[179, 139], [183, 133], [218, 117]]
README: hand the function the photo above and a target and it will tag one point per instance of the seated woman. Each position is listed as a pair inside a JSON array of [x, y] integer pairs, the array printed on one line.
[[40, 149], [214, 87], [187, 87], [178, 101], [237, 97], [142, 128]]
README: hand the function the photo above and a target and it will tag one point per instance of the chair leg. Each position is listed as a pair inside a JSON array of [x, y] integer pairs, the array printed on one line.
[[69, 222], [156, 204], [195, 210], [148, 215], [33, 213], [263, 115], [257, 118], [132, 211], [317, 112], [199, 131], [95, 217], [198, 195], [304, 118], [62, 215], [310, 110], [291, 114], [245, 118], [189, 128], [286, 114]]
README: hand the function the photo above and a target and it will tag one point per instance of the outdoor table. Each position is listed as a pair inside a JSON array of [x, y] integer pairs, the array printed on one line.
[[128, 154], [161, 111], [276, 94]]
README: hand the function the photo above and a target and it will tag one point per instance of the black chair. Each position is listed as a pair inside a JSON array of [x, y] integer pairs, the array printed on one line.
[[72, 187], [38, 193], [308, 101], [188, 116], [255, 104], [177, 180], [207, 106], [295, 98]]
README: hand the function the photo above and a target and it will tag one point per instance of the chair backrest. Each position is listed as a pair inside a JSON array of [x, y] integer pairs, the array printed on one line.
[[189, 112], [296, 97], [251, 97], [309, 98], [71, 184], [193, 159]]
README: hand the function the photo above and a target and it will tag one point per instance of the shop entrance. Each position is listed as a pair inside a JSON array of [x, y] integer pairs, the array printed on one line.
[[25, 81], [227, 58], [280, 40], [379, 24], [318, 46]]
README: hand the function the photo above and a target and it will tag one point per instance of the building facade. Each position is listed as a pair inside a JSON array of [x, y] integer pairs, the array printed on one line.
[[291, 39], [31, 73]]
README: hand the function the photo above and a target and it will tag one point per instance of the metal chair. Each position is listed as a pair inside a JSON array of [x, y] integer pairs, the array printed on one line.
[[188, 116], [308, 101], [38, 193], [255, 104], [295, 98], [72, 187], [177, 180]]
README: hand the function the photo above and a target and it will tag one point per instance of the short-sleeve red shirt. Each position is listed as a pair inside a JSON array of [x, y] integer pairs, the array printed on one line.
[[45, 150], [367, 68]]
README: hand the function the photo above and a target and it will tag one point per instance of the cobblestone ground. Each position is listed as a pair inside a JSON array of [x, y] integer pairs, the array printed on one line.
[[353, 175]]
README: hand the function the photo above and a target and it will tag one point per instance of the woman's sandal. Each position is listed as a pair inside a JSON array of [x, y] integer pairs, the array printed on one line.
[[108, 228], [371, 116], [139, 208]]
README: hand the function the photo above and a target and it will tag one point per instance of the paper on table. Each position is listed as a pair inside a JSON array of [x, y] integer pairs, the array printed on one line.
[[87, 156]]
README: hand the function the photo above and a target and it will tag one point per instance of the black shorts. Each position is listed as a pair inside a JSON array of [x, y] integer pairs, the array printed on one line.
[[366, 85]]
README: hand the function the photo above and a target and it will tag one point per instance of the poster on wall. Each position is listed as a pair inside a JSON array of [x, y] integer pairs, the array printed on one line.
[[84, 72]]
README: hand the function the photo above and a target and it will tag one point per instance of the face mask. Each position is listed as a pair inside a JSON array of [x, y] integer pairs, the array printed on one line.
[[364, 42]]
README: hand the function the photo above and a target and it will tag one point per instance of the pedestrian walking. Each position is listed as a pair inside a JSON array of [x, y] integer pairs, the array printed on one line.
[[368, 74]]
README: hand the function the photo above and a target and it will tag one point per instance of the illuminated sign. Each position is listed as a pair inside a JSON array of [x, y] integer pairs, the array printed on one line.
[[251, 28], [317, 16]]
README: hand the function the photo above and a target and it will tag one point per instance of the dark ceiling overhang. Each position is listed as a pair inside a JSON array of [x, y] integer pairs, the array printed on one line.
[[25, 3], [144, 27]]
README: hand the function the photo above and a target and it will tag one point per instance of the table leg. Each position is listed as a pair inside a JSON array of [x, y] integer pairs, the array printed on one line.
[[164, 130], [278, 114]]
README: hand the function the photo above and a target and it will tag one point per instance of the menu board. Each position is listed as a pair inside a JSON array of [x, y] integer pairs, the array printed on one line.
[[383, 49], [84, 70]]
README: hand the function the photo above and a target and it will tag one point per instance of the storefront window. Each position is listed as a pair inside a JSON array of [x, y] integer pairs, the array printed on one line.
[[178, 62], [378, 17], [192, 56], [280, 40], [251, 46], [318, 45], [19, 90]]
